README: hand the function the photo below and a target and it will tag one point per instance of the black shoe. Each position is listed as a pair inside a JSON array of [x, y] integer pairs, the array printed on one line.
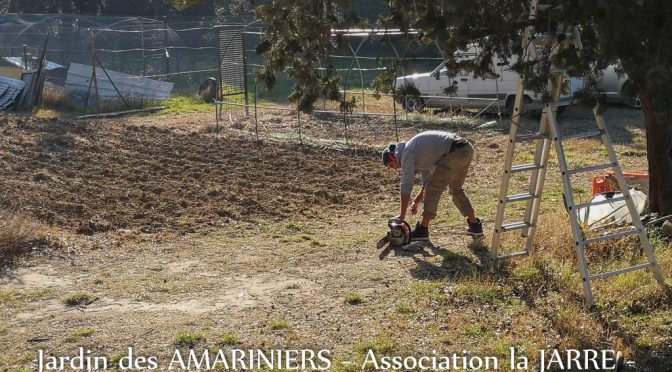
[[419, 233], [475, 229]]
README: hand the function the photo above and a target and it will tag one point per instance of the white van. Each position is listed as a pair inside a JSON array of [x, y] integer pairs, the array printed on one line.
[[617, 87], [472, 92]]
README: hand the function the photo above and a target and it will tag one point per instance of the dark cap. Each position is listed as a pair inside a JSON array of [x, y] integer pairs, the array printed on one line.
[[386, 154]]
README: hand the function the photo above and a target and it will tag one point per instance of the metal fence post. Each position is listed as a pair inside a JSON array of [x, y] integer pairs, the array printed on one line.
[[394, 105], [93, 70], [25, 57], [165, 56], [256, 120], [298, 120], [142, 45], [247, 101]]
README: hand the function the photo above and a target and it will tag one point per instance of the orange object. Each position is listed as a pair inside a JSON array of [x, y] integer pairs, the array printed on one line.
[[607, 183], [602, 185], [633, 177]]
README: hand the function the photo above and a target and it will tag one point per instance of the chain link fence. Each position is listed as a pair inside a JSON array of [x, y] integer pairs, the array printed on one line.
[[176, 49]]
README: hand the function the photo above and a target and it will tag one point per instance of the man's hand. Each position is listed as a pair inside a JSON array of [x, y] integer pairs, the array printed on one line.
[[414, 208]]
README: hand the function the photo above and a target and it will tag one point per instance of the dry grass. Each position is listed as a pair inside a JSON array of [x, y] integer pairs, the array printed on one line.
[[57, 100], [16, 232], [55, 97]]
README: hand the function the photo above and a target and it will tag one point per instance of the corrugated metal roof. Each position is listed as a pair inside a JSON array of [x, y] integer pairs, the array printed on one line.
[[18, 62], [3, 88], [10, 88], [132, 87]]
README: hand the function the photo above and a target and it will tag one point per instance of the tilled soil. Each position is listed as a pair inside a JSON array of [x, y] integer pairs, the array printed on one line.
[[101, 175]]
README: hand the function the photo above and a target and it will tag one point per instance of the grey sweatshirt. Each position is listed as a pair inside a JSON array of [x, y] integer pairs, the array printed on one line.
[[421, 155]]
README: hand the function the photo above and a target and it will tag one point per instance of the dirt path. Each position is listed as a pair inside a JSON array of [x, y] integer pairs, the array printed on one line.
[[145, 294]]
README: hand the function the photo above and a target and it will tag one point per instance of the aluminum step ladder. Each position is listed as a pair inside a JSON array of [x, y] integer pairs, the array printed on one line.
[[537, 169], [549, 135]]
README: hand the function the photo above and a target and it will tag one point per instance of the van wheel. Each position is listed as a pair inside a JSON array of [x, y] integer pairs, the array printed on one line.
[[413, 104], [510, 101], [561, 109], [630, 96]]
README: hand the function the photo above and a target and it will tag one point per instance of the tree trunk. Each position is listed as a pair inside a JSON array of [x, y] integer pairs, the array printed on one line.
[[657, 105]]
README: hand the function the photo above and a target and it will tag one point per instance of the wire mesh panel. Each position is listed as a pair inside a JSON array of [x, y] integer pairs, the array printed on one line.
[[233, 80]]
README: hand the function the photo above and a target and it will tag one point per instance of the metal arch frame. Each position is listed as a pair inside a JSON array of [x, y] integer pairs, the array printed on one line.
[[368, 36], [394, 84], [28, 26], [355, 54], [256, 119], [108, 28], [399, 59], [345, 82]]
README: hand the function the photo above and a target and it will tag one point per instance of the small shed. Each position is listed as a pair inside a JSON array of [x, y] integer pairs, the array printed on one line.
[[27, 70], [13, 67]]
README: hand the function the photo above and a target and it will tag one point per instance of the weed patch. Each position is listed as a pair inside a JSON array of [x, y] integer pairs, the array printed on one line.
[[185, 104], [79, 334], [16, 298], [482, 293], [279, 324], [78, 299], [354, 298], [228, 339], [380, 344], [403, 309], [188, 339]]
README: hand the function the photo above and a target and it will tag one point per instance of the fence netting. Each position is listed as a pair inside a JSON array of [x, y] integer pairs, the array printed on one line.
[[186, 51], [182, 50], [362, 118]]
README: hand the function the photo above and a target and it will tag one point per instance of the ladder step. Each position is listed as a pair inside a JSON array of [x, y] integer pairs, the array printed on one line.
[[591, 134], [512, 255], [529, 137], [621, 271], [606, 201], [593, 168], [525, 167], [515, 226], [520, 197], [611, 236]]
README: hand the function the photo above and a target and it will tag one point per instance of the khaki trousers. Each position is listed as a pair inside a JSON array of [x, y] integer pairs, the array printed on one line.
[[450, 172]]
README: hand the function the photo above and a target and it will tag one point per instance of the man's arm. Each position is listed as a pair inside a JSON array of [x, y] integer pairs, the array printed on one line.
[[404, 206], [417, 200], [407, 178]]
